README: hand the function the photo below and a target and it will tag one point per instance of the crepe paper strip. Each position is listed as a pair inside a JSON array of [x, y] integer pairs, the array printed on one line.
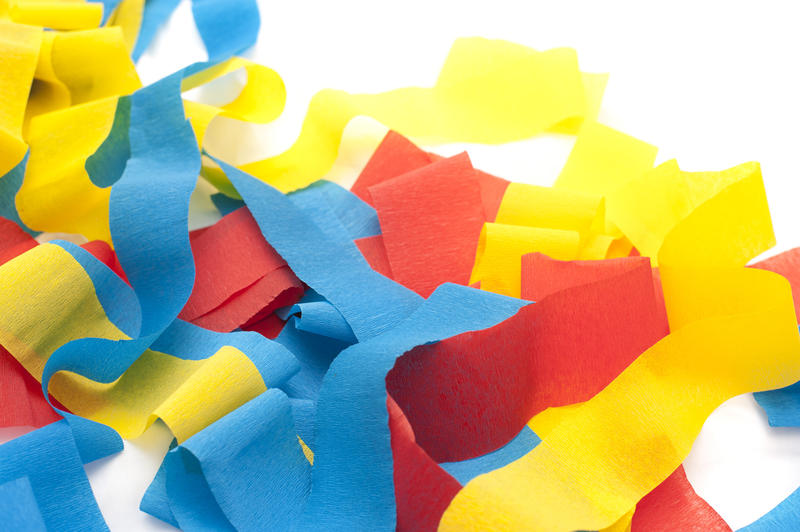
[[329, 264], [534, 360], [155, 15], [128, 17], [542, 276], [535, 206], [247, 471], [466, 470], [217, 277], [315, 315], [57, 15], [21, 400], [603, 159], [227, 27], [269, 327], [784, 516], [674, 505], [582, 476], [276, 289], [786, 264], [357, 217], [72, 201], [112, 72], [19, 50], [488, 91], [394, 156], [501, 247], [108, 8], [493, 190], [654, 206], [315, 354], [422, 489], [352, 453], [374, 253], [51, 460], [430, 220], [14, 240], [18, 506], [261, 100]]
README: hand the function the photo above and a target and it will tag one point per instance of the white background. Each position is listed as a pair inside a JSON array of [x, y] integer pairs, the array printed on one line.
[[712, 84]]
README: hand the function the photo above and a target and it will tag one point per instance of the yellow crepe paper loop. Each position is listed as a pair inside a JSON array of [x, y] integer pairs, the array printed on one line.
[[261, 100], [733, 331], [50, 300], [57, 15], [128, 17], [19, 51], [57, 194], [489, 91], [498, 261], [649, 208], [603, 159]]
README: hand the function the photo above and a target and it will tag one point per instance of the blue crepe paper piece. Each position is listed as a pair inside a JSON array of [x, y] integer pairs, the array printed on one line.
[[155, 500], [117, 298], [518, 447], [49, 457], [245, 471], [314, 353], [156, 13], [353, 454], [225, 204], [9, 186], [358, 218], [19, 508], [227, 27], [151, 238], [304, 412], [323, 258], [785, 516], [782, 406], [106, 165], [315, 315]]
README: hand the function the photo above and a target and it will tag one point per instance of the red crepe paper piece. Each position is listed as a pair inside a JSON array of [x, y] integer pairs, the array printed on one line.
[[229, 256], [394, 156], [375, 254], [542, 275], [788, 265], [469, 395], [22, 403], [279, 288], [674, 505], [270, 327], [492, 190], [103, 252], [13, 240], [431, 219], [422, 489]]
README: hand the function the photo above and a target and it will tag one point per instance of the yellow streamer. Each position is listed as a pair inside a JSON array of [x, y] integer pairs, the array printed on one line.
[[488, 91], [19, 51], [69, 15]]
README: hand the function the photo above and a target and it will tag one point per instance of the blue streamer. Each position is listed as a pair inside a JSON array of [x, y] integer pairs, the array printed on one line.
[[785, 516]]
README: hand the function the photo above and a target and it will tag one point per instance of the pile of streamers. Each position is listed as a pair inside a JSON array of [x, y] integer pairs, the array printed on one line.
[[435, 348]]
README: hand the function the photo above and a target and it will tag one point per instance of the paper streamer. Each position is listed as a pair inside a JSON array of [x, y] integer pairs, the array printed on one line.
[[488, 91]]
